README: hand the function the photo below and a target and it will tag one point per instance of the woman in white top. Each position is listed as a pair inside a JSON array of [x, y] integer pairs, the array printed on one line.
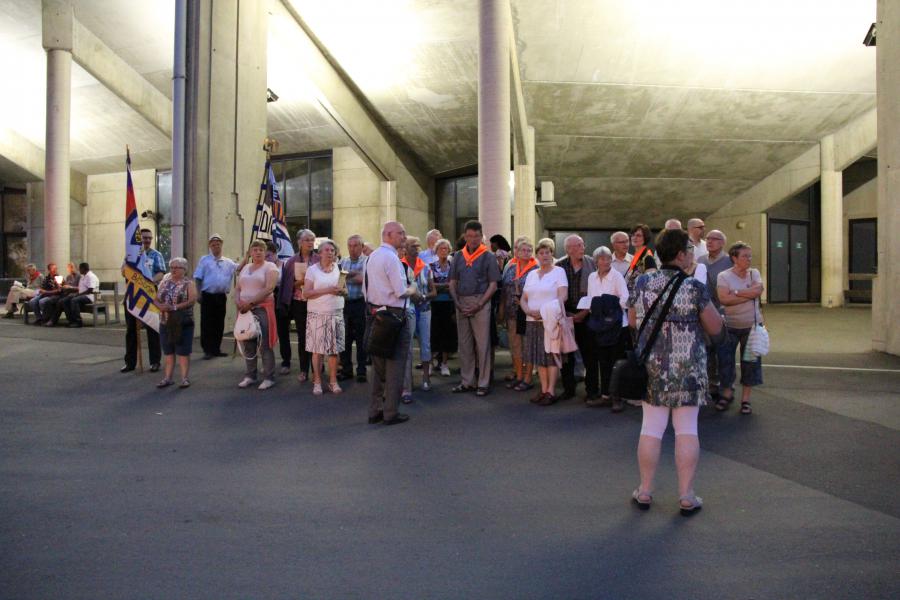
[[325, 315], [253, 292], [606, 280], [543, 285]]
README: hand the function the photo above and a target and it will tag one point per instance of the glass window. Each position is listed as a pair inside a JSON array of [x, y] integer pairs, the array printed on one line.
[[306, 187], [13, 240], [457, 202], [164, 213]]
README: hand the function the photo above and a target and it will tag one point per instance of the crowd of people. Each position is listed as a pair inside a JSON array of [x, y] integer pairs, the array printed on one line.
[[685, 306]]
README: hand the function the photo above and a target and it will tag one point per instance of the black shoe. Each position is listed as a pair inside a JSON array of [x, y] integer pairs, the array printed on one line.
[[76, 324], [126, 369], [154, 367], [376, 419], [343, 376], [208, 356], [566, 395], [399, 418], [361, 378], [220, 354], [9, 315]]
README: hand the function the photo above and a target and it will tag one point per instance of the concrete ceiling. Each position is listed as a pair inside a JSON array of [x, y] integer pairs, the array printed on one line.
[[635, 104]]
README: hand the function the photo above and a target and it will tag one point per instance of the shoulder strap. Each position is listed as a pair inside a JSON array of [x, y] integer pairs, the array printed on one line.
[[677, 280]]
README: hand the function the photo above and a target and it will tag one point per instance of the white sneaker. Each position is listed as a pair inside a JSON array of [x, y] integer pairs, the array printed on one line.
[[445, 370], [266, 384], [246, 382], [426, 386]]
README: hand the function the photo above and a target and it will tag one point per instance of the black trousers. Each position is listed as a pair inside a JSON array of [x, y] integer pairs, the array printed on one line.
[[131, 348], [212, 322], [296, 313], [354, 331], [585, 340], [607, 357]]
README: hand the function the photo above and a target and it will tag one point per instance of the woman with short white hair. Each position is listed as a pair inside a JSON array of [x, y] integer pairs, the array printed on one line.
[[325, 316], [175, 300], [609, 337]]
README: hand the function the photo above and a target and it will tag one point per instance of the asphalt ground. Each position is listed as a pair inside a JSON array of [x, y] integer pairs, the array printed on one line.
[[112, 489]]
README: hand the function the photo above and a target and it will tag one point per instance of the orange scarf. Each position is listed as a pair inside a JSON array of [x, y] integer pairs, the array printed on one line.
[[645, 251], [522, 269], [471, 258], [417, 268]]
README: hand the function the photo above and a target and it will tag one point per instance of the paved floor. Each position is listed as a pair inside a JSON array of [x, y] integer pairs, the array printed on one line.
[[109, 489]]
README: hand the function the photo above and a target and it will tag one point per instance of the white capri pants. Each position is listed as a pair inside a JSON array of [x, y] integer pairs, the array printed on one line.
[[656, 419]]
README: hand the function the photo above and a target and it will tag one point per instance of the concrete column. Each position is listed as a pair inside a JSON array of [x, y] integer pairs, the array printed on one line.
[[493, 117], [832, 216], [885, 306], [524, 212], [56, 169]]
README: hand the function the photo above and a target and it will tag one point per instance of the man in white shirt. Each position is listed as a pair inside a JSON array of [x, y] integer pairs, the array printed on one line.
[[696, 229], [88, 285], [385, 287], [622, 258]]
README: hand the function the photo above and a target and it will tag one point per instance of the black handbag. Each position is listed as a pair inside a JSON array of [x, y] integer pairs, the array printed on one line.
[[384, 330], [629, 375]]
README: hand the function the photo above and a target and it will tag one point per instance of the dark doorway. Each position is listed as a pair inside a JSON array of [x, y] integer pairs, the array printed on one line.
[[863, 258], [788, 261]]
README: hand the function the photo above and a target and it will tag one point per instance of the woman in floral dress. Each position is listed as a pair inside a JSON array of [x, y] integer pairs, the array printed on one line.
[[676, 365]]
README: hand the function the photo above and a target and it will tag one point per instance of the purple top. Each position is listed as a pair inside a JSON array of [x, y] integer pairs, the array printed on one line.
[[286, 287]]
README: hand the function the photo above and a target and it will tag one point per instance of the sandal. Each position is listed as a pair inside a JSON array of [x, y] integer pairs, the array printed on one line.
[[523, 386], [723, 403], [317, 389], [482, 392], [184, 384], [509, 377], [694, 504], [636, 497], [513, 384], [462, 388], [334, 388], [164, 383], [746, 409]]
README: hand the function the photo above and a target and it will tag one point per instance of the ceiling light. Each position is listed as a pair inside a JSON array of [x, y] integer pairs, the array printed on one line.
[[869, 40], [271, 96]]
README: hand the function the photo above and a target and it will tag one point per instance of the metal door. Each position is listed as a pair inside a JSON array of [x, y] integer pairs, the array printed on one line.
[[788, 261]]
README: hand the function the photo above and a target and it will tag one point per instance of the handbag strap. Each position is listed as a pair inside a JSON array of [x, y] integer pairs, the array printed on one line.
[[674, 283]]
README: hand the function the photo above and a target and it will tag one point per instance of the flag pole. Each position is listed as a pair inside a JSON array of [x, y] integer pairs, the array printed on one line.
[[138, 325]]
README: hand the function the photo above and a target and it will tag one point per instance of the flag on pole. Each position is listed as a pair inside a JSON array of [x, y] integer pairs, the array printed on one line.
[[139, 291], [269, 222]]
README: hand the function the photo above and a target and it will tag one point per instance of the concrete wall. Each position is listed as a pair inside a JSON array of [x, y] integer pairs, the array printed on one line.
[[35, 237], [360, 205], [106, 218]]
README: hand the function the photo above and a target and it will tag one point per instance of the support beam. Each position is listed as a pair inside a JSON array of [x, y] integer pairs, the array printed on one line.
[[832, 216], [29, 159], [519, 117], [494, 116], [885, 307], [337, 99], [120, 78], [524, 221]]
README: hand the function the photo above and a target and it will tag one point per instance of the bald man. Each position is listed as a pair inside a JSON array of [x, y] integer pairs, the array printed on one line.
[[386, 288], [673, 224], [696, 230]]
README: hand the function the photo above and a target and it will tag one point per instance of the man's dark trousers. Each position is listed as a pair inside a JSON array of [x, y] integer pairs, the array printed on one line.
[[131, 348], [585, 340], [212, 322], [355, 331]]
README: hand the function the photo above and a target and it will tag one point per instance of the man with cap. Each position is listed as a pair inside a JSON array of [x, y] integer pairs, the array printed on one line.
[[214, 275]]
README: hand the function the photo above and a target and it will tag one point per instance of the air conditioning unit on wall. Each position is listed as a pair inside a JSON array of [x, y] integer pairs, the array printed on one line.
[[545, 197]]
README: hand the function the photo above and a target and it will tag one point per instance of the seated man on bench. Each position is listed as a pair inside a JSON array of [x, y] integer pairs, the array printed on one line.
[[88, 285], [46, 296], [69, 288], [18, 291]]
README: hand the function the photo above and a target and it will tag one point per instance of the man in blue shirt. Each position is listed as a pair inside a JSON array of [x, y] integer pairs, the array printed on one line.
[[354, 311], [153, 266], [214, 275]]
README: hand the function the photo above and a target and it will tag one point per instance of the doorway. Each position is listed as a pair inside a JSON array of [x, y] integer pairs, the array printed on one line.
[[788, 261], [863, 258]]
